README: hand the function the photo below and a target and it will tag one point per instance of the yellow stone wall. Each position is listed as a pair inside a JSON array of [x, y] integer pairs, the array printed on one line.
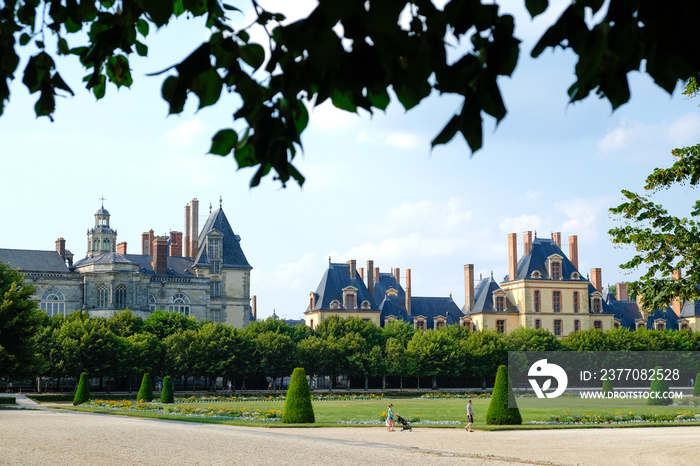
[[318, 316]]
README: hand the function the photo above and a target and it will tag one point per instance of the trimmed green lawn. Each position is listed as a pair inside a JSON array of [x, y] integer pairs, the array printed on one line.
[[330, 413]]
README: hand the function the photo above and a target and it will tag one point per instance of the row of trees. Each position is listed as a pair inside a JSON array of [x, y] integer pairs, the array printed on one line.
[[170, 343]]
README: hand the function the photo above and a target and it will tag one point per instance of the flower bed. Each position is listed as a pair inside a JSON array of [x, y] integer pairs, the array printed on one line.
[[180, 410], [619, 418], [455, 396]]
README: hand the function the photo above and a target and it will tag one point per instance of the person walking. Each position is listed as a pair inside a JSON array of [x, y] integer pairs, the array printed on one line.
[[470, 417], [390, 418]]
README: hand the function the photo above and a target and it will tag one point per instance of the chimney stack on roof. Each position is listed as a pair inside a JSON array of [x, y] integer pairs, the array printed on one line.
[[121, 247], [408, 291], [353, 269], [176, 243], [512, 256], [254, 307], [370, 277], [468, 287], [397, 275], [160, 255], [556, 236], [527, 243], [597, 279], [573, 250], [621, 289]]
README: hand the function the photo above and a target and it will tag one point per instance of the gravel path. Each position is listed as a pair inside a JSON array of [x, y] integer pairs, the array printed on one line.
[[54, 437]]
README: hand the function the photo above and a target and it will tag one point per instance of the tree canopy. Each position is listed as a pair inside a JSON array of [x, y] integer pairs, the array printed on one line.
[[358, 54]]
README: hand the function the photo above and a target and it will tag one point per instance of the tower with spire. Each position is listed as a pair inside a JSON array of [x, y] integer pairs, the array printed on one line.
[[101, 238]]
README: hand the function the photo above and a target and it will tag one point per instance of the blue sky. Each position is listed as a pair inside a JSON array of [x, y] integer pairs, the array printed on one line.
[[374, 190]]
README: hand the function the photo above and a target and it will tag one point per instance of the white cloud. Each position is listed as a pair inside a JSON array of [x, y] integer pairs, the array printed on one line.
[[185, 134], [631, 135], [329, 118], [526, 223], [585, 216]]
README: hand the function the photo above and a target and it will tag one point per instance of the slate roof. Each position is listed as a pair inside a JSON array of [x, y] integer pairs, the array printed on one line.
[[386, 282], [177, 266], [231, 243], [541, 249], [428, 307], [34, 261], [627, 312], [483, 297], [330, 288]]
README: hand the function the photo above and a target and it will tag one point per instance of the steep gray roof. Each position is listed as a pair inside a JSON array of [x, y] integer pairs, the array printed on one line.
[[483, 297], [177, 266], [428, 307], [386, 282], [336, 278], [536, 260], [231, 243], [34, 261]]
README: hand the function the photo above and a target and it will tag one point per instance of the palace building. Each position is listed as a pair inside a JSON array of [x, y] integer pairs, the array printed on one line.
[[205, 274]]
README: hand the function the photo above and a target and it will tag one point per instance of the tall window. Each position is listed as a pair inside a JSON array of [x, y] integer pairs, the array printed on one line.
[[557, 327], [556, 270], [556, 301], [102, 297], [577, 325], [350, 298], [120, 297], [501, 326], [214, 248], [179, 302], [151, 302], [576, 301], [537, 300], [215, 289], [215, 267], [596, 305], [500, 303], [538, 324], [53, 302]]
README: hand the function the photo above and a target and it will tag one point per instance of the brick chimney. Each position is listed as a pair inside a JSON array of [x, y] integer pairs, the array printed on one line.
[[145, 244], [676, 304], [353, 269], [621, 289], [192, 228], [527, 243], [468, 287], [376, 275], [121, 247], [397, 275], [254, 307], [176, 243], [61, 248], [186, 240], [512, 256], [573, 250], [408, 291], [597, 279], [160, 255], [556, 236], [370, 277]]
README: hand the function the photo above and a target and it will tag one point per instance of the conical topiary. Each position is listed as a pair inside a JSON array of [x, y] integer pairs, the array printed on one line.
[[608, 387], [297, 406], [168, 393], [659, 387], [146, 390], [499, 413], [696, 387], [82, 393]]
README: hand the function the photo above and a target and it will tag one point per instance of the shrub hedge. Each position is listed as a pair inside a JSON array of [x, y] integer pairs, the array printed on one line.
[[82, 394], [658, 386], [499, 413], [608, 386], [297, 405], [7, 400], [146, 390], [696, 387], [168, 393]]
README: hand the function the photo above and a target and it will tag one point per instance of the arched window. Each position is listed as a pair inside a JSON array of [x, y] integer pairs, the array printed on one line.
[[102, 297], [105, 245], [179, 302], [53, 302], [120, 297], [151, 302]]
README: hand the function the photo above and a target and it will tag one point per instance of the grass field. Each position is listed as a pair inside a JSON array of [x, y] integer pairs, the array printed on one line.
[[331, 413]]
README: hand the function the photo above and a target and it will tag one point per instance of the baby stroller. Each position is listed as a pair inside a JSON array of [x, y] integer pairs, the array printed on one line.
[[404, 423]]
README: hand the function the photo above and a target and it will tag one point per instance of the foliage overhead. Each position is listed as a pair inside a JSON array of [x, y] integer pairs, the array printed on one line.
[[356, 53]]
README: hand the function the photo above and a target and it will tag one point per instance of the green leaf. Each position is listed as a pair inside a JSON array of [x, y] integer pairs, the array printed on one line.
[[448, 132], [207, 86], [159, 11], [536, 7], [223, 142], [253, 55], [24, 39], [141, 49], [63, 48]]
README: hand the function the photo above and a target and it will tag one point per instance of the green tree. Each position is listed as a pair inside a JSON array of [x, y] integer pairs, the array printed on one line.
[[658, 388], [503, 409], [297, 403], [20, 324], [666, 246], [163, 323], [696, 385], [82, 393], [183, 355], [435, 353], [355, 53], [125, 324], [146, 390], [168, 393], [485, 351], [530, 339], [275, 354], [398, 363], [608, 387]]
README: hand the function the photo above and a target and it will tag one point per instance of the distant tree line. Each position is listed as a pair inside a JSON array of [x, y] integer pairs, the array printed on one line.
[[124, 346]]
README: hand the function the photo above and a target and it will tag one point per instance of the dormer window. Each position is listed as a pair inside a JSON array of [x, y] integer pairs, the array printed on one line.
[[335, 304], [536, 274], [499, 300], [554, 266], [350, 297], [596, 306], [214, 248], [365, 304], [392, 292], [575, 276], [312, 301], [419, 323]]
